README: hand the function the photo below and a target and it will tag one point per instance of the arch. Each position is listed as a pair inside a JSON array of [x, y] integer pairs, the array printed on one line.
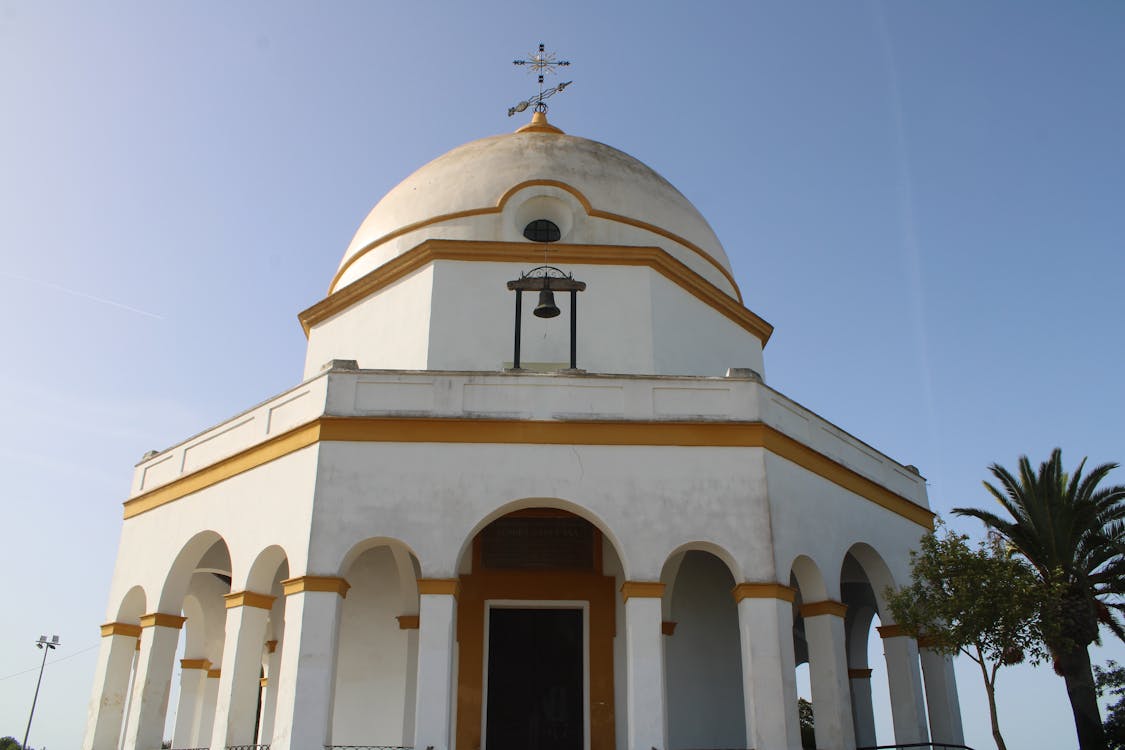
[[810, 581], [195, 628], [463, 552], [263, 570], [178, 579], [132, 606], [406, 564], [877, 572]]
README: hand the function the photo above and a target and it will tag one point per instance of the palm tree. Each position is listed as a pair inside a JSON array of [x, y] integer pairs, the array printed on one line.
[[1073, 534]]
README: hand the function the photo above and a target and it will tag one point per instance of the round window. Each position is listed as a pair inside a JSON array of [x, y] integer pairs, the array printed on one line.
[[542, 230]]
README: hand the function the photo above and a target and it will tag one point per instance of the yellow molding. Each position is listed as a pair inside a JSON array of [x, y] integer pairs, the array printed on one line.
[[642, 589], [213, 672], [195, 663], [160, 619], [668, 628], [263, 681], [891, 631], [859, 674], [407, 622], [501, 431], [763, 591], [249, 599], [138, 646], [260, 454], [590, 210], [330, 584], [271, 646], [121, 628], [926, 641], [443, 586], [826, 607], [432, 250]]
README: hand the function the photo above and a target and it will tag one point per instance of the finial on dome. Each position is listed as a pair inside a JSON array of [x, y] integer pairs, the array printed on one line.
[[540, 63], [539, 124]]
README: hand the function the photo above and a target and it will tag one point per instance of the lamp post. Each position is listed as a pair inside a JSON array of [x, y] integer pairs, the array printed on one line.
[[46, 645]]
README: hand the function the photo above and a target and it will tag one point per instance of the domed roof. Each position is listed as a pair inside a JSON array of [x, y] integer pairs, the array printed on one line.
[[476, 179]]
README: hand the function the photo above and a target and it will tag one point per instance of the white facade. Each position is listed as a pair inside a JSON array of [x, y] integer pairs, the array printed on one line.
[[325, 556]]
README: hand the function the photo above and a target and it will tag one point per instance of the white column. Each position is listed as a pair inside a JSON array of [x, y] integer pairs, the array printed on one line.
[[828, 674], [111, 686], [863, 712], [269, 701], [307, 676], [247, 616], [769, 670], [904, 677], [943, 707], [433, 703], [410, 687], [644, 665], [160, 634], [207, 703], [193, 678]]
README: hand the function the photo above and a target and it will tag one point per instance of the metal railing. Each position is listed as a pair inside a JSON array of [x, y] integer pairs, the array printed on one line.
[[370, 747], [248, 747], [909, 745]]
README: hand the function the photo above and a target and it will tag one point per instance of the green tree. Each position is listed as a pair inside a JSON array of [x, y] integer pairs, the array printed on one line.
[[805, 720], [980, 602], [1111, 679], [1073, 534]]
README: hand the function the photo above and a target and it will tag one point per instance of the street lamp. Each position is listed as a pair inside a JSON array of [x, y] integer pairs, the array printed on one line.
[[46, 645]]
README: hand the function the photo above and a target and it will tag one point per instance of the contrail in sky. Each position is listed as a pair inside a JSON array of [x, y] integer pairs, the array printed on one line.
[[82, 295], [908, 225]]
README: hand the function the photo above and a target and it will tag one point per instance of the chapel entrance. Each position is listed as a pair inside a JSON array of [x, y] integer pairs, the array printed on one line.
[[535, 633], [535, 679]]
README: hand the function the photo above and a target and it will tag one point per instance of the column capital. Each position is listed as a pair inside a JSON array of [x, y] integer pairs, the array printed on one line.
[[121, 628], [249, 599], [859, 674], [271, 646], [439, 586], [668, 628], [195, 663], [408, 622], [892, 631], [330, 584], [826, 607], [642, 590], [214, 673], [769, 590], [162, 620]]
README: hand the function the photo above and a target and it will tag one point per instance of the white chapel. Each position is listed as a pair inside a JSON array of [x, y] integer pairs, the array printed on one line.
[[534, 491]]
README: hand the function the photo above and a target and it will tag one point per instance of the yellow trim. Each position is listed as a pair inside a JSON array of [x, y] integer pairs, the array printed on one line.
[[641, 590], [432, 250], [926, 641], [891, 631], [407, 622], [260, 454], [827, 607], [263, 681], [271, 646], [441, 586], [249, 599], [213, 672], [195, 663], [539, 124], [507, 432], [329, 584], [668, 628], [121, 628], [859, 674], [590, 210], [160, 619], [764, 591]]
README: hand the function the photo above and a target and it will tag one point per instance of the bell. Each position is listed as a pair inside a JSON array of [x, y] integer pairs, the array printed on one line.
[[546, 307]]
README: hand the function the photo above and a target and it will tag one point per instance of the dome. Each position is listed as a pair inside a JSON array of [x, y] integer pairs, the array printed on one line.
[[475, 192]]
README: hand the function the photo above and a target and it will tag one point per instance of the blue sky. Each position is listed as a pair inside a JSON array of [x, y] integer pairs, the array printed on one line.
[[926, 199]]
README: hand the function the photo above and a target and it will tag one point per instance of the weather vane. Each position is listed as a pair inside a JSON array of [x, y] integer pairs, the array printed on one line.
[[540, 63]]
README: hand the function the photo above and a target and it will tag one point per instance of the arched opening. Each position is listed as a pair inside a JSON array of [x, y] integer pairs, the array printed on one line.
[[377, 648], [536, 631], [702, 653]]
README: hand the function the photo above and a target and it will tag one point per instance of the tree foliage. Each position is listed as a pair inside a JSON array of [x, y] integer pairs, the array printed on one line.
[[980, 602], [1111, 679], [1072, 533]]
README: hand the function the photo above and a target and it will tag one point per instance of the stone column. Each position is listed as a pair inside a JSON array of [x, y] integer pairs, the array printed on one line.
[[207, 709], [944, 709], [828, 674], [409, 623], [644, 665], [269, 695], [111, 685], [769, 671], [307, 675], [193, 679], [863, 712], [435, 692], [904, 677], [247, 616], [160, 635]]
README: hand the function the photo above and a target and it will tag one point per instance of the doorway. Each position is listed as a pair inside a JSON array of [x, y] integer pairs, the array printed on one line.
[[536, 679]]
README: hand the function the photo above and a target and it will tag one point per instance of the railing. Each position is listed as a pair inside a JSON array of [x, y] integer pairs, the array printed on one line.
[[908, 745], [372, 747], [248, 747]]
